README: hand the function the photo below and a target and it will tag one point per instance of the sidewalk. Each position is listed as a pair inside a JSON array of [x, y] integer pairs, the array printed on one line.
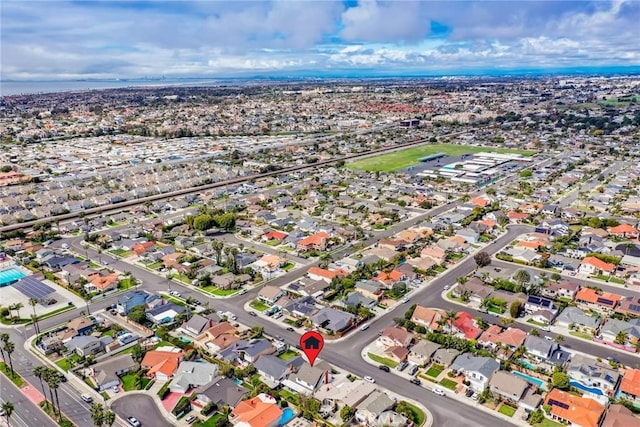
[[451, 394], [552, 329]]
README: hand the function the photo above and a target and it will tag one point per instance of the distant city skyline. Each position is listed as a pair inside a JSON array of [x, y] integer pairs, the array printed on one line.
[[44, 40]]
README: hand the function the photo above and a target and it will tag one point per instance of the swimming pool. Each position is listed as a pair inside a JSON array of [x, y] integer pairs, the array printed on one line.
[[591, 390], [287, 415], [10, 275], [526, 364], [541, 384]]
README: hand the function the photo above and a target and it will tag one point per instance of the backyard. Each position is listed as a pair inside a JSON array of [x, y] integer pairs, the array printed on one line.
[[409, 157]]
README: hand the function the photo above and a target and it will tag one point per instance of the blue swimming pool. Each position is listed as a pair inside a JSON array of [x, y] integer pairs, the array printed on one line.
[[592, 390], [541, 384], [526, 364], [9, 276], [287, 415]]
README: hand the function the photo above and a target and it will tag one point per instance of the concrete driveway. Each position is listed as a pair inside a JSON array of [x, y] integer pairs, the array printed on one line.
[[143, 408]]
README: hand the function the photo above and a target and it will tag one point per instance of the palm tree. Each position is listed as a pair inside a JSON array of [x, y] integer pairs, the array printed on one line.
[[47, 375], [450, 317], [17, 306], [39, 372], [54, 383], [109, 418], [4, 337], [7, 408], [32, 303], [10, 347], [97, 414]]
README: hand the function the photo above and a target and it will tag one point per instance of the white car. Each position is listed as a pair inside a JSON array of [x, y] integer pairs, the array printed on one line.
[[369, 379], [405, 300], [175, 294], [133, 421], [364, 327], [446, 287], [438, 391], [86, 398], [64, 246]]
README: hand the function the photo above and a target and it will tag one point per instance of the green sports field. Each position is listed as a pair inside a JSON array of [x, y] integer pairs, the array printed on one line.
[[404, 158]]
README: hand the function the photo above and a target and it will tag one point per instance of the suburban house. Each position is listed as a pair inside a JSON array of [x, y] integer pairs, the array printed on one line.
[[270, 294], [421, 353], [309, 378], [370, 289], [534, 304], [222, 391], [465, 326], [345, 393], [395, 337], [624, 231], [427, 317], [595, 266], [317, 273], [444, 356], [318, 242], [86, 345], [82, 325], [543, 350], [161, 364], [573, 317], [243, 351], [333, 320], [514, 389], [574, 410], [217, 337], [260, 411], [630, 386], [191, 375], [629, 306], [164, 314], [388, 278], [495, 337], [564, 289], [613, 328], [604, 302], [372, 407], [131, 299], [619, 415], [593, 375], [106, 374], [269, 263], [196, 325], [274, 370], [474, 289], [476, 369], [101, 283]]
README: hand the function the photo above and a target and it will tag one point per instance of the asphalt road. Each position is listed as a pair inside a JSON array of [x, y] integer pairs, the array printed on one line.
[[345, 355], [141, 407], [25, 414]]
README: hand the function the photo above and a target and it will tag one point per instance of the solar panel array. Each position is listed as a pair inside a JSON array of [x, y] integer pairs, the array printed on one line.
[[33, 288], [634, 307], [557, 403], [605, 301]]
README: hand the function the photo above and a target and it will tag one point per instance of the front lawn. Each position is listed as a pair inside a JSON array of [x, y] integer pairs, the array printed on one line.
[[258, 305], [289, 354], [548, 423], [507, 410], [581, 335], [417, 416], [120, 253], [219, 292], [434, 370], [126, 283], [288, 266], [447, 383], [155, 265], [67, 362], [382, 360], [129, 381]]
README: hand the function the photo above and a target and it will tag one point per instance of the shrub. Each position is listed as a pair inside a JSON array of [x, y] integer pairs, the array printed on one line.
[[164, 390], [208, 408]]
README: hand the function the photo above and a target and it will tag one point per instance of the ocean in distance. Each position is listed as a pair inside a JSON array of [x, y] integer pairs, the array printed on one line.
[[8, 88]]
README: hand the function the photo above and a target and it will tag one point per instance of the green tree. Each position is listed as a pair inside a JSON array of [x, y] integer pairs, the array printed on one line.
[[535, 332], [482, 259], [33, 302], [137, 353], [4, 337], [346, 413], [560, 380], [39, 372], [515, 308], [226, 221], [137, 314], [97, 414], [522, 277], [9, 348], [621, 338], [7, 408], [109, 418]]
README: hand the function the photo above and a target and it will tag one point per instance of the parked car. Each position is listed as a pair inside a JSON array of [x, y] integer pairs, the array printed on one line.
[[116, 389], [290, 329], [369, 379], [413, 370], [402, 365], [133, 422], [446, 287], [190, 419], [253, 313], [438, 391], [415, 381], [364, 327], [384, 368], [175, 294], [404, 300], [469, 392], [86, 398], [62, 377]]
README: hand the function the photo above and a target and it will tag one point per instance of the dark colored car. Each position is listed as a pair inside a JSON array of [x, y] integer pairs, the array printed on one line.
[[384, 368], [290, 329]]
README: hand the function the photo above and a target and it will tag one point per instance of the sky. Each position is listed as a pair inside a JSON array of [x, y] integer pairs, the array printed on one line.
[[58, 40]]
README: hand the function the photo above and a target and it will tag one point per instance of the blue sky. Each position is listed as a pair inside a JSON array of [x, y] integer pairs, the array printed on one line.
[[128, 39]]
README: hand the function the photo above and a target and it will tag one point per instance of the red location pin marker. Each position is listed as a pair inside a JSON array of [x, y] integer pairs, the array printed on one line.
[[311, 344]]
